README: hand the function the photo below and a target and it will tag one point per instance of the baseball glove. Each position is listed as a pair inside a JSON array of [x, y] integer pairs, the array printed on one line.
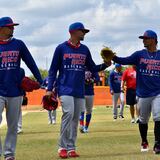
[[49, 102], [107, 54], [29, 85]]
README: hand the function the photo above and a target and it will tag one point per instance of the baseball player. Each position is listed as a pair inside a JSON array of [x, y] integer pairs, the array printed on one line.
[[115, 89], [51, 114], [129, 79], [147, 63], [90, 79], [12, 50], [70, 59]]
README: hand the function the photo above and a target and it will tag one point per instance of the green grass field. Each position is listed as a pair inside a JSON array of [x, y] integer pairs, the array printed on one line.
[[106, 140]]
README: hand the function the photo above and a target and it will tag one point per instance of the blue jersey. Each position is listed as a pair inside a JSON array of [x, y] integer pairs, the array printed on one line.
[[21, 76], [11, 54], [71, 63], [148, 71], [89, 87], [115, 81]]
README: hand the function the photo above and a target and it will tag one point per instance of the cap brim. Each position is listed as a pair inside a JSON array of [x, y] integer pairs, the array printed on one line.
[[146, 37], [12, 24], [142, 37], [86, 30]]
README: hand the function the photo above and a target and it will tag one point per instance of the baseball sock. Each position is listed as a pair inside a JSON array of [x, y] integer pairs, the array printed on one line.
[[157, 131], [143, 128], [88, 119], [82, 119]]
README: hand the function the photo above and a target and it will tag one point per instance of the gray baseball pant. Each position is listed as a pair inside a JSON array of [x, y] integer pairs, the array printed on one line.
[[71, 108], [20, 117], [12, 105], [20, 120], [88, 104], [115, 98], [148, 105]]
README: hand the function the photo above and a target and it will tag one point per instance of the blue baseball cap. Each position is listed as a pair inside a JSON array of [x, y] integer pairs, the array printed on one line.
[[149, 34], [117, 65], [7, 21], [77, 26]]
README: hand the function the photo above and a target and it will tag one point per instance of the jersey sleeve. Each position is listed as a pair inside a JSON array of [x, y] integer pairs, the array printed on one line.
[[133, 59], [92, 66], [55, 66], [29, 61]]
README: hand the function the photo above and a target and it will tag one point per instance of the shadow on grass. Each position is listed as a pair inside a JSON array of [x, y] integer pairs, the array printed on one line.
[[38, 132]]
